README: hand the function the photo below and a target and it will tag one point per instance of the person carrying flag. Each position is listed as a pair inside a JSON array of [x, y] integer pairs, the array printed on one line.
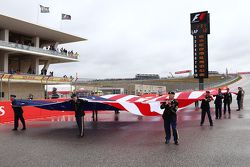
[[170, 117], [77, 106], [18, 113], [205, 108]]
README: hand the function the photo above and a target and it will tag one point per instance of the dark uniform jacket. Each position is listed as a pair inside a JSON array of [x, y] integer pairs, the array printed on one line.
[[170, 109], [205, 103], [78, 107], [16, 107], [219, 98], [239, 95], [227, 97]]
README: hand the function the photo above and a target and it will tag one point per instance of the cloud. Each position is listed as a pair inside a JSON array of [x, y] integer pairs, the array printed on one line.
[[142, 36]]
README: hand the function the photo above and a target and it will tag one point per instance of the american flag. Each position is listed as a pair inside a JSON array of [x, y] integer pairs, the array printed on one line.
[[146, 105]]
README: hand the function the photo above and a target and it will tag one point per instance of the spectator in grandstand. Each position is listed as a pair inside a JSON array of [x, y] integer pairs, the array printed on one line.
[[12, 71], [51, 73], [77, 55], [45, 71]]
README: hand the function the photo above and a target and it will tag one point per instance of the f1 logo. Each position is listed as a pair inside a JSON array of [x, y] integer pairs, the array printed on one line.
[[198, 17], [2, 112]]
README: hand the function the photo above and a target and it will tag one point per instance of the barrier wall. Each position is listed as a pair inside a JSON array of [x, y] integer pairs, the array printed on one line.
[[7, 113]]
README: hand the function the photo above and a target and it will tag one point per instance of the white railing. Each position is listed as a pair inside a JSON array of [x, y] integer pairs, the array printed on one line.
[[35, 49]]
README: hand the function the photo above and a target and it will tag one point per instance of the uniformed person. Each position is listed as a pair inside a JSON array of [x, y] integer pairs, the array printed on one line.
[[18, 113], [239, 97], [77, 105], [170, 118], [242, 98], [218, 104], [227, 102], [94, 111], [205, 108]]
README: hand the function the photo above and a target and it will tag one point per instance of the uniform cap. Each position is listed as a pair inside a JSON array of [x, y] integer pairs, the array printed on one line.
[[73, 95], [171, 92], [13, 96]]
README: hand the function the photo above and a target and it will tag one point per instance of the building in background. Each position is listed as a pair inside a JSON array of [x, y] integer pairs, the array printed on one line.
[[146, 76], [149, 89]]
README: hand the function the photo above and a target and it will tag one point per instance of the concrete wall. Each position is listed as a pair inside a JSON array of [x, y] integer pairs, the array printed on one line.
[[22, 90]]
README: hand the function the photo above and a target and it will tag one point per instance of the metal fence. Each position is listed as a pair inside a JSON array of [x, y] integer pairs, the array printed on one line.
[[35, 49]]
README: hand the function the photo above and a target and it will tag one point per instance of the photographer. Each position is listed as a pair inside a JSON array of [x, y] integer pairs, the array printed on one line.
[[170, 117], [205, 108]]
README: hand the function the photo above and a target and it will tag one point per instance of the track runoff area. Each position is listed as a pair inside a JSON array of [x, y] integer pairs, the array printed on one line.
[[127, 140]]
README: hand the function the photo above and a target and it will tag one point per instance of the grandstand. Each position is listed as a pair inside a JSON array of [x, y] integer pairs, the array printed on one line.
[[24, 47]]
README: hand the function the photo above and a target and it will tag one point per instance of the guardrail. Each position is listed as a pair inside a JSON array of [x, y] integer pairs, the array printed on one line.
[[35, 49], [227, 81]]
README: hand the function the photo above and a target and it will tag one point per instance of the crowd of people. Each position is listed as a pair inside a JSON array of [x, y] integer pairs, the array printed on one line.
[[44, 72], [52, 47], [70, 77], [69, 53], [63, 51]]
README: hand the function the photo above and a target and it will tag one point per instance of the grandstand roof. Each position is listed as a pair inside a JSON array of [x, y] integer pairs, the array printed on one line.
[[30, 29]]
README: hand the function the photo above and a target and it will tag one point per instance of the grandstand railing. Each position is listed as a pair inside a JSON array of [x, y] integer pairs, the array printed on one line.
[[35, 49]]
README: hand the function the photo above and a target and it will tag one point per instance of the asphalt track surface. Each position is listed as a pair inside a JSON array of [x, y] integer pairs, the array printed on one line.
[[126, 140]]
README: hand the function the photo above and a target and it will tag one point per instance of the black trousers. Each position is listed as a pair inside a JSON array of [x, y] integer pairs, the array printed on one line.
[[94, 115], [168, 123], [18, 116], [239, 104], [218, 108], [203, 114], [227, 107], [80, 124]]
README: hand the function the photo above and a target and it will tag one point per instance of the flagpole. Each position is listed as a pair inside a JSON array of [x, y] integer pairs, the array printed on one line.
[[61, 23], [37, 15]]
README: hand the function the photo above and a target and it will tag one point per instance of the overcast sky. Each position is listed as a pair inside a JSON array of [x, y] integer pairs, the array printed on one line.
[[126, 37]]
